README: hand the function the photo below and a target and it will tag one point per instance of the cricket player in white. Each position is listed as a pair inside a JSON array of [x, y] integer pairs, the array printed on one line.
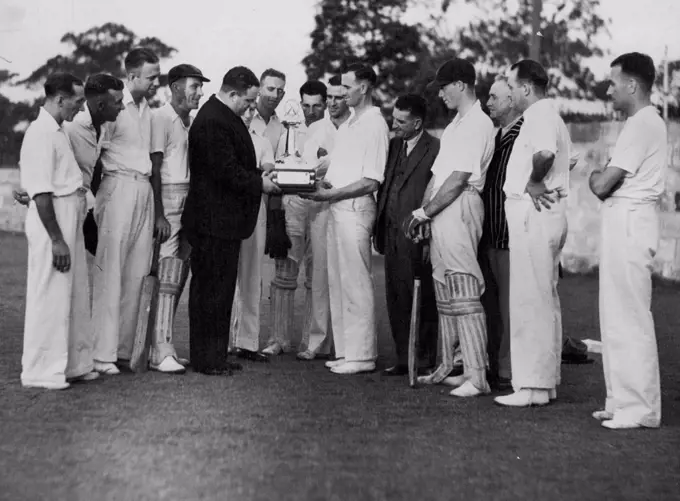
[[629, 187], [306, 229], [245, 322], [304, 222], [454, 210], [319, 146], [170, 181], [266, 122], [57, 342], [536, 187], [356, 170], [124, 211]]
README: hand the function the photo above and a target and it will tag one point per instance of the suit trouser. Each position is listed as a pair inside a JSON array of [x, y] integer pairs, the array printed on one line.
[[399, 276], [245, 316], [536, 242], [214, 271], [350, 224], [630, 236], [306, 223], [177, 247], [495, 264], [57, 334], [125, 216]]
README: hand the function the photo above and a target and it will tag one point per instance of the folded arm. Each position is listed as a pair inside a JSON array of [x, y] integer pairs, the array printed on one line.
[[604, 182]]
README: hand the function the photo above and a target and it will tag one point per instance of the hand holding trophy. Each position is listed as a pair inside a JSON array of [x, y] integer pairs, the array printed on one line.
[[291, 173]]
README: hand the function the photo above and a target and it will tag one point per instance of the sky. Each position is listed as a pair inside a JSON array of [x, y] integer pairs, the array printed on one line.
[[218, 34]]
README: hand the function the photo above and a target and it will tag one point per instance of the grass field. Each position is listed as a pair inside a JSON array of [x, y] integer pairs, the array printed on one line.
[[291, 430]]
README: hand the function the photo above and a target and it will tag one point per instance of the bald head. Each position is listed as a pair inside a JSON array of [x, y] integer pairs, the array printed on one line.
[[500, 103]]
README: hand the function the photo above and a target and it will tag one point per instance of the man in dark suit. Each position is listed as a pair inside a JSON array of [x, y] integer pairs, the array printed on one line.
[[221, 210], [411, 154]]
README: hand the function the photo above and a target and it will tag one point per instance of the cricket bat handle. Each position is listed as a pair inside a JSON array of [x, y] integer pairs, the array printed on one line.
[[414, 327]]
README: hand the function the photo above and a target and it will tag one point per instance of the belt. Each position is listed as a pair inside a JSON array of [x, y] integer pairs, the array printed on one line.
[[78, 191], [175, 188], [628, 202], [126, 174]]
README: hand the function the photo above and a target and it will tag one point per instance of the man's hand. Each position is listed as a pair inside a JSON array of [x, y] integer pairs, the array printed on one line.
[[61, 256], [423, 232], [268, 185], [162, 228], [541, 195], [323, 193], [321, 152], [375, 245], [411, 223], [21, 197]]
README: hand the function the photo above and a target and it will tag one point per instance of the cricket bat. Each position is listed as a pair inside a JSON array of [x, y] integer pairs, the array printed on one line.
[[414, 328], [139, 361]]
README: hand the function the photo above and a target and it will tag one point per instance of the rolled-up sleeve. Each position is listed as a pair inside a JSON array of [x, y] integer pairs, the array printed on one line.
[[37, 162], [84, 146], [466, 150], [376, 143], [631, 149], [158, 135], [543, 134]]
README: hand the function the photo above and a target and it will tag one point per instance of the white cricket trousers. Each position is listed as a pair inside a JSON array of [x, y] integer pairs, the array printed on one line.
[[350, 223], [630, 236], [57, 334], [536, 242], [124, 212], [245, 326]]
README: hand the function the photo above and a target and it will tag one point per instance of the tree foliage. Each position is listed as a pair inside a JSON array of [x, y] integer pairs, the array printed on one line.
[[406, 55], [370, 31], [501, 35], [101, 49]]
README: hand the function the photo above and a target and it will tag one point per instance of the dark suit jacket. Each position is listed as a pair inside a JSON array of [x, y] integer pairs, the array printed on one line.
[[225, 185], [410, 188]]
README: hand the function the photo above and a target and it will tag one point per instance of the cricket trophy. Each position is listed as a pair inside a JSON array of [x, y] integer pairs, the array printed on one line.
[[291, 173]]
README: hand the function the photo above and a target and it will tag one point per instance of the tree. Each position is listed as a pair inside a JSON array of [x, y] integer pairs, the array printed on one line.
[[101, 49], [370, 31], [501, 35], [407, 55]]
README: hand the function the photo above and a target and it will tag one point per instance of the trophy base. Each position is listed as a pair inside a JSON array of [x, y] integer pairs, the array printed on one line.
[[292, 181], [296, 190]]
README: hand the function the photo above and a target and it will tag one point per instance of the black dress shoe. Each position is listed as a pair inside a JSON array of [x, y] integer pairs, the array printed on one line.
[[253, 356], [216, 372], [396, 370]]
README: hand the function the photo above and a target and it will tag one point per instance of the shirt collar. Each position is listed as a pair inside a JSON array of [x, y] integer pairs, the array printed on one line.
[[355, 120], [476, 106], [128, 99], [171, 112], [538, 106], [411, 143], [85, 116], [44, 116]]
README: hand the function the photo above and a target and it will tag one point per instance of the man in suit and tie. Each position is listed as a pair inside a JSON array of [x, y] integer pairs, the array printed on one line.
[[221, 210], [411, 154]]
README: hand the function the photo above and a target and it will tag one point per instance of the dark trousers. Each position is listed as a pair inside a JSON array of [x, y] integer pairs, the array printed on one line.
[[495, 265], [401, 256], [214, 268]]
